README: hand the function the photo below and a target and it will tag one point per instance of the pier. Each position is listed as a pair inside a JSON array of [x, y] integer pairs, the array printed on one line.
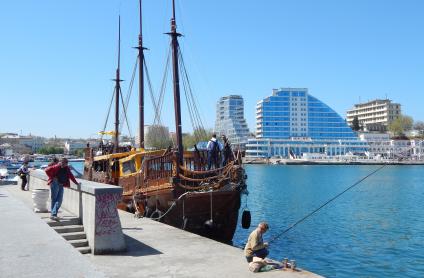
[[152, 249]]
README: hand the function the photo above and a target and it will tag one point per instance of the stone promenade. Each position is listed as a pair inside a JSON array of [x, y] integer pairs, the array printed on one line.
[[30, 248]]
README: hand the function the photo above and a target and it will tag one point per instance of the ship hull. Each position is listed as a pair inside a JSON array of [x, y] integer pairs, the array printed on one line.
[[194, 211]]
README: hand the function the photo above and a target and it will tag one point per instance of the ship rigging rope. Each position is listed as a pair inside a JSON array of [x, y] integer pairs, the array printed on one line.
[[326, 203], [193, 172], [152, 95], [210, 194], [171, 206], [195, 118], [123, 116], [218, 183], [162, 89], [108, 112]]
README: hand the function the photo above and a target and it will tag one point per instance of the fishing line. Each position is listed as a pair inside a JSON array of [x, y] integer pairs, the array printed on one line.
[[326, 203]]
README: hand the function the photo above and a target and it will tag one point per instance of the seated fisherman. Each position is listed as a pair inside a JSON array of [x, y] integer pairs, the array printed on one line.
[[255, 246]]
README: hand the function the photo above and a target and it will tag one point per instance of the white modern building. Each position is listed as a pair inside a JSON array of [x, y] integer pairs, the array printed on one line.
[[20, 142], [6, 150], [71, 146], [374, 115], [291, 123], [381, 145], [230, 120]]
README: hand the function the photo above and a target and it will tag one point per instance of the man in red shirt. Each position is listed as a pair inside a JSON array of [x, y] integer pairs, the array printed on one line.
[[59, 175]]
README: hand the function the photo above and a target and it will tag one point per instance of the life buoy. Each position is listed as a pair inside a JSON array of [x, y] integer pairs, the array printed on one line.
[[246, 219]]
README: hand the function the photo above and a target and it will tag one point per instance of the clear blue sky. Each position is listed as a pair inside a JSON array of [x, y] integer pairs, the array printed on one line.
[[58, 57]]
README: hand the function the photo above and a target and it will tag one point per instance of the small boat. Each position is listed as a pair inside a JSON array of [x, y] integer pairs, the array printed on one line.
[[4, 173], [41, 159]]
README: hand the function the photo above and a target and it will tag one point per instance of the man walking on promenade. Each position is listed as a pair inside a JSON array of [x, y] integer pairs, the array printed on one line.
[[255, 246], [23, 174], [59, 175]]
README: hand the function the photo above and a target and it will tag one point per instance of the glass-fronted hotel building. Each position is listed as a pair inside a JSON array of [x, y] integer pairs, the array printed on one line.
[[230, 120], [290, 123]]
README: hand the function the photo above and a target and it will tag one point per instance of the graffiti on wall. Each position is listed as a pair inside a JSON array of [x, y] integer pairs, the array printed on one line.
[[107, 219]]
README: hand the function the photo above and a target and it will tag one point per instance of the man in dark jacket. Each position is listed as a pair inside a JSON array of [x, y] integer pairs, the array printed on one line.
[[23, 174], [227, 152], [59, 175]]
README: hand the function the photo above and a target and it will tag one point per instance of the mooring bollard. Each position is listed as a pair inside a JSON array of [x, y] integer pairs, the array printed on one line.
[[39, 198]]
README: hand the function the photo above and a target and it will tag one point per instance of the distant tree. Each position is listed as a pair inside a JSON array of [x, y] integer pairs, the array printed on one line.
[[79, 153], [419, 126], [198, 135], [158, 137], [400, 125], [355, 124], [50, 150]]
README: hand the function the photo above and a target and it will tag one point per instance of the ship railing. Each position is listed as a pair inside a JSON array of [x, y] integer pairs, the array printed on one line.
[[156, 168], [198, 160]]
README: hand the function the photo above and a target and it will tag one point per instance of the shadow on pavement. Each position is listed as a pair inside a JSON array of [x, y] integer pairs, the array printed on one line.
[[136, 248]]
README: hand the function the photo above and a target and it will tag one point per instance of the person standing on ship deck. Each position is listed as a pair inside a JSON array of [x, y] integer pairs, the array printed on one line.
[[213, 152], [59, 175], [227, 153], [255, 246]]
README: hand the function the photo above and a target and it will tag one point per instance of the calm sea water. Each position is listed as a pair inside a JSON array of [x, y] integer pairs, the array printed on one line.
[[374, 230]]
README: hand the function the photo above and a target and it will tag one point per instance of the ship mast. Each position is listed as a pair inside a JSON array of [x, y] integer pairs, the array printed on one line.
[[141, 83], [117, 91], [176, 82]]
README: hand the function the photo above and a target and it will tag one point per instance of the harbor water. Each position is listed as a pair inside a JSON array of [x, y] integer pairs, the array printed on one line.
[[374, 230]]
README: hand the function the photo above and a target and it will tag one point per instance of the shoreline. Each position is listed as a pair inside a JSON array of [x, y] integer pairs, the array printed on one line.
[[326, 162]]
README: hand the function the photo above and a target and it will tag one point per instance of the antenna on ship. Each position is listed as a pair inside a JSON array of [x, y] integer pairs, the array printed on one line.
[[141, 82], [117, 90], [176, 84]]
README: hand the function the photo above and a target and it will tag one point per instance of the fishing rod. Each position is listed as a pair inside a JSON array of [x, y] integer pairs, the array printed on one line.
[[326, 203], [334, 198]]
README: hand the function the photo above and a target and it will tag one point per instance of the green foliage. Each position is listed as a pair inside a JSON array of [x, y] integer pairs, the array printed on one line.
[[50, 150], [198, 135], [355, 124], [400, 125], [158, 137], [79, 153]]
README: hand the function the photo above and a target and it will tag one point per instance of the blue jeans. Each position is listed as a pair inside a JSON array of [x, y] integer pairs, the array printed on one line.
[[212, 159], [261, 253], [56, 194]]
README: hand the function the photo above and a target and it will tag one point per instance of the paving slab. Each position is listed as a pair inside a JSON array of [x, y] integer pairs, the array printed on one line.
[[30, 248]]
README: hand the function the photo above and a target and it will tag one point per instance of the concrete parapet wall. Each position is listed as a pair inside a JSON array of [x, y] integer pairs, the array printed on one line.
[[95, 205]]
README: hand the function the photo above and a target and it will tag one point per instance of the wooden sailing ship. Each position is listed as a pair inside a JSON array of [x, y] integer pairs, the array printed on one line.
[[173, 185]]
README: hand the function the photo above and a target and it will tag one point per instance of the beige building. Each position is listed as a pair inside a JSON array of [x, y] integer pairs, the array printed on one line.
[[374, 115]]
